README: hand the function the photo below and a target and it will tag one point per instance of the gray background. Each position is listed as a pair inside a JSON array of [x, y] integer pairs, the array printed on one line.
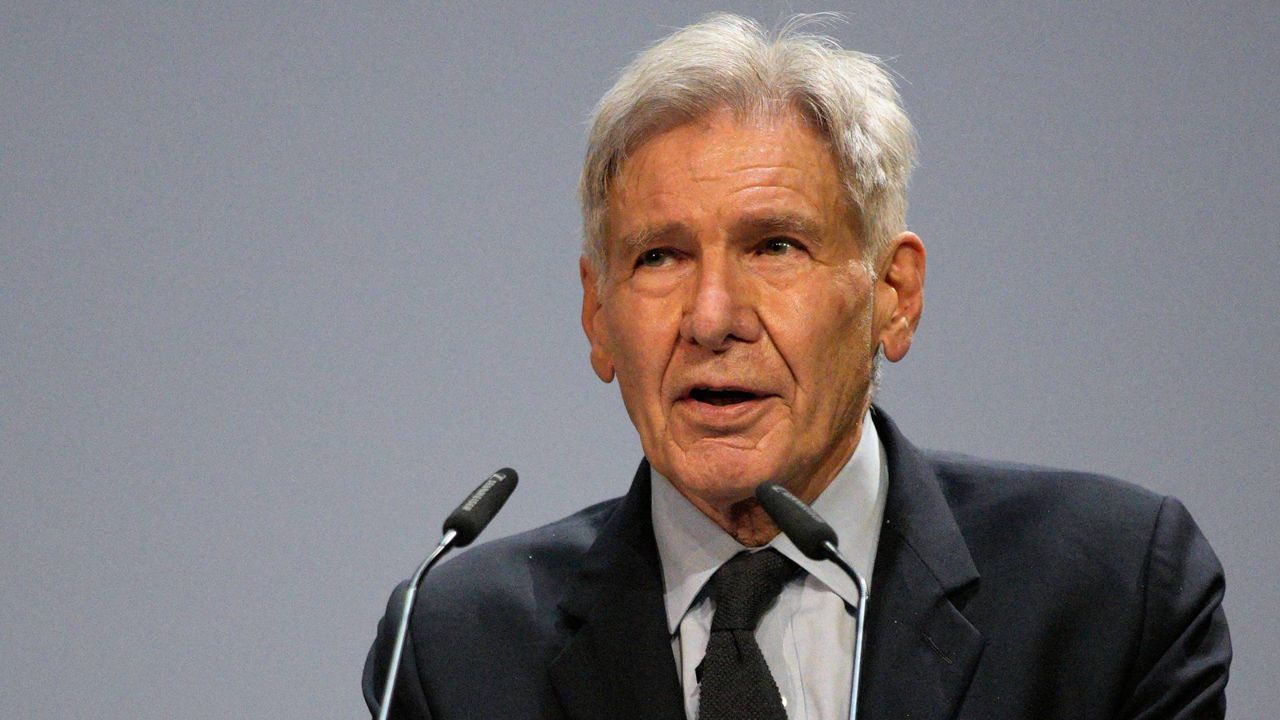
[[279, 285]]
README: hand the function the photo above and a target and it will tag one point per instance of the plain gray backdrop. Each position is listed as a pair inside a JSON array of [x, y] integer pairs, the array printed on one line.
[[280, 284]]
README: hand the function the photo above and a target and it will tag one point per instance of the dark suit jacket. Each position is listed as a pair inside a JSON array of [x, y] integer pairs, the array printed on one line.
[[999, 591]]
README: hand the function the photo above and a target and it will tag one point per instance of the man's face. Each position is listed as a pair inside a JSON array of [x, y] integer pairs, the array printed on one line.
[[737, 310]]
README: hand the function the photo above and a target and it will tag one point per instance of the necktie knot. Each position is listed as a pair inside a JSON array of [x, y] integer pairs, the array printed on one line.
[[744, 587]]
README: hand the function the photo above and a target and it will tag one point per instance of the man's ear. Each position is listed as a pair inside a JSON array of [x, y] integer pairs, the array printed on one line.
[[900, 294], [593, 322]]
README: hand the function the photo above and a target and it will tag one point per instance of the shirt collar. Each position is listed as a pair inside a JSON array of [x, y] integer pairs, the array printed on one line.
[[692, 547]]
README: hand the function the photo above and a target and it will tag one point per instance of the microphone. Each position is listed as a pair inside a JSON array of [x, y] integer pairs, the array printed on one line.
[[460, 529], [480, 506], [810, 533], [815, 538]]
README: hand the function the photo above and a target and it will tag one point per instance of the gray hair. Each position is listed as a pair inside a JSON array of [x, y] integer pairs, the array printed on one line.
[[729, 61]]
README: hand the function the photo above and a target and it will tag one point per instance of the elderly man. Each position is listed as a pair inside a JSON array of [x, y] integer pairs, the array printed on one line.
[[746, 269]]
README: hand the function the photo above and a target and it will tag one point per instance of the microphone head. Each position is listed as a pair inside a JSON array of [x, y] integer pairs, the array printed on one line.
[[480, 506], [806, 528]]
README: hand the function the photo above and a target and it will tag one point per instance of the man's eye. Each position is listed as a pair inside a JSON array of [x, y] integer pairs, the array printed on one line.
[[778, 246], [654, 258]]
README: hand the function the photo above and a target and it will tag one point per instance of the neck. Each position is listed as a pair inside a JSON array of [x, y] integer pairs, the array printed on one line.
[[747, 521]]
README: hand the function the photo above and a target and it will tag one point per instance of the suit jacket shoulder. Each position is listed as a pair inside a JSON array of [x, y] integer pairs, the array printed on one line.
[[519, 575], [1079, 570], [1097, 529], [493, 606]]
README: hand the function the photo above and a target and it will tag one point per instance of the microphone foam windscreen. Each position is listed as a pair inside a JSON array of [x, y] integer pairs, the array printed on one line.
[[480, 506], [805, 527]]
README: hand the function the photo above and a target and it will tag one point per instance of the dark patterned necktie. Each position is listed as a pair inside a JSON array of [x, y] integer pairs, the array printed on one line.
[[734, 678]]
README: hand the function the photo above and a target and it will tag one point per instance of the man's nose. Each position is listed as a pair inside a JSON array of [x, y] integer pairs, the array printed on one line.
[[722, 308]]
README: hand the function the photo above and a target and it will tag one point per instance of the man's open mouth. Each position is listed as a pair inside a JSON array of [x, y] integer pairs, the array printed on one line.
[[721, 397]]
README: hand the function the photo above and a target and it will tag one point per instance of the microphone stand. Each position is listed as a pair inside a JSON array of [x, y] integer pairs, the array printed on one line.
[[838, 558], [402, 627], [460, 529], [815, 538]]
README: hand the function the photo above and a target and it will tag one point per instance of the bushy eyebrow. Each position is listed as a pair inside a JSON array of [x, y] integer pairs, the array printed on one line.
[[787, 223], [646, 236], [784, 223]]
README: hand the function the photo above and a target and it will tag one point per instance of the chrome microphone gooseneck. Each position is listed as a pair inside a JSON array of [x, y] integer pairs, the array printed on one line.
[[460, 528], [402, 627], [815, 538], [838, 558]]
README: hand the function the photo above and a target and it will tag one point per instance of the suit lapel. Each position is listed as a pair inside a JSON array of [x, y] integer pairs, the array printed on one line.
[[618, 663], [920, 652]]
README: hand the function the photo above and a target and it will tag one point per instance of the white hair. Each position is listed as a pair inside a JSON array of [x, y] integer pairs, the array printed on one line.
[[727, 61]]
